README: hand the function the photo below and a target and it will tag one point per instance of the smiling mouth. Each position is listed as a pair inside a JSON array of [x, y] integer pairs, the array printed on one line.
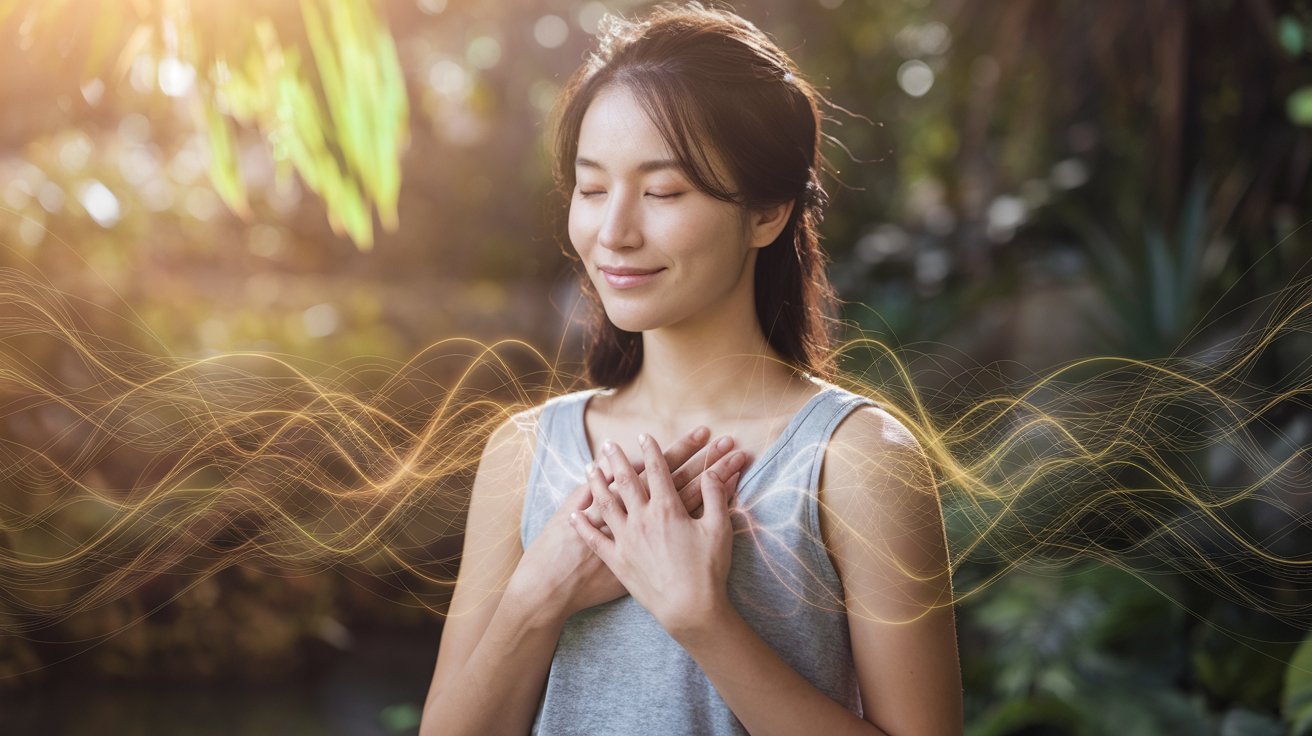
[[629, 280]]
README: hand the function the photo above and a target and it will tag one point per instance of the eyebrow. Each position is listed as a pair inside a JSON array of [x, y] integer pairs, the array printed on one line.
[[644, 167]]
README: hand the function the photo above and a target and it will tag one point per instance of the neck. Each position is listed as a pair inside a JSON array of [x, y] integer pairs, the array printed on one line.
[[699, 372]]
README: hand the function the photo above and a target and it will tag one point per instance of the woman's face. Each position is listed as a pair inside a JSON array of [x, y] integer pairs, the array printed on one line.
[[633, 209]]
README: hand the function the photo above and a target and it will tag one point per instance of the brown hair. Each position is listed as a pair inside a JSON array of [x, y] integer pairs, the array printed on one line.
[[707, 77]]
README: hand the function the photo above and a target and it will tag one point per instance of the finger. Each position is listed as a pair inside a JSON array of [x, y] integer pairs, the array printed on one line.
[[601, 545], [606, 504], [724, 467], [686, 474], [593, 512], [578, 498], [604, 464], [627, 483], [685, 478], [659, 483], [593, 509], [689, 454], [714, 492], [677, 455], [582, 499], [731, 491], [731, 488], [682, 450]]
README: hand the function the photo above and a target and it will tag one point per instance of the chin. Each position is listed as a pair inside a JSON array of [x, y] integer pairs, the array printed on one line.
[[633, 320], [631, 323]]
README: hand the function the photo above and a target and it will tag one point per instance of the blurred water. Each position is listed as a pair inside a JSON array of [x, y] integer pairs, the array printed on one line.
[[351, 696]]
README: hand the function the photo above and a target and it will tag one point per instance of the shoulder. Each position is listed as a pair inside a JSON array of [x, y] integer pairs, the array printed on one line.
[[875, 468], [873, 427], [868, 443], [504, 469], [880, 514], [515, 434]]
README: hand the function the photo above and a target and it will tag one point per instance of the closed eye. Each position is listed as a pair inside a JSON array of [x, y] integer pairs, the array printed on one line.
[[649, 194]]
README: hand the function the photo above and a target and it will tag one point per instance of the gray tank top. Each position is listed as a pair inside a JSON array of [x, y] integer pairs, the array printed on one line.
[[616, 671]]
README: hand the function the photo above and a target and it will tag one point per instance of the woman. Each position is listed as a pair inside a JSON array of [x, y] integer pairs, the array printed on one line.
[[796, 584]]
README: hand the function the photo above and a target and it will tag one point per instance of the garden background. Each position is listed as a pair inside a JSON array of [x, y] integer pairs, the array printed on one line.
[[1020, 185]]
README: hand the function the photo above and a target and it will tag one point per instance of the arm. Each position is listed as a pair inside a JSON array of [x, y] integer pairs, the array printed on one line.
[[767, 695], [882, 522], [493, 657]]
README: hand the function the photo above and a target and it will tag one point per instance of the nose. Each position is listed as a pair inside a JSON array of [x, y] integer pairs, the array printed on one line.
[[620, 225]]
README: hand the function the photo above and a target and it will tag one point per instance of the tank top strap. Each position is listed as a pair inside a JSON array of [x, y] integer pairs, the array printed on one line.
[[557, 465], [574, 423], [810, 442], [817, 428]]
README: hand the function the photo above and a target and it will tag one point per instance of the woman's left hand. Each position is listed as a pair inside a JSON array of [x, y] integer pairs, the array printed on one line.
[[675, 566]]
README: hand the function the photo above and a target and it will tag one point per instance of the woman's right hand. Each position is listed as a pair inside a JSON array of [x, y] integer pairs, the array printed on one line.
[[559, 575]]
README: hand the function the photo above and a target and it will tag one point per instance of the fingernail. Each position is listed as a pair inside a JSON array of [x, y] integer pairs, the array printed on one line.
[[608, 447], [592, 468], [573, 516], [723, 443], [737, 459], [642, 438], [700, 434]]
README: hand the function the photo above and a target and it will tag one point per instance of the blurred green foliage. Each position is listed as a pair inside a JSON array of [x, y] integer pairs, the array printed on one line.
[[1296, 698], [340, 122]]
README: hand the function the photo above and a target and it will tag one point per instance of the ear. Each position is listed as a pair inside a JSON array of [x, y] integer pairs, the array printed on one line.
[[766, 224]]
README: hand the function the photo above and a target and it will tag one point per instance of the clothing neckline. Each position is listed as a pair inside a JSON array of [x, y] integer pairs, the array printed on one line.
[[794, 423]]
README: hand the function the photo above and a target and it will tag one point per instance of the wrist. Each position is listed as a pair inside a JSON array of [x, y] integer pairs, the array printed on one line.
[[533, 608], [698, 624]]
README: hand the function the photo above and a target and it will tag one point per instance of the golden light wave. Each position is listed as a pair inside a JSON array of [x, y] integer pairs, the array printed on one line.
[[121, 469]]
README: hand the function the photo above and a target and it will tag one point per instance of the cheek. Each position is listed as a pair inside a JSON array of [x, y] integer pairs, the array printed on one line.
[[716, 243]]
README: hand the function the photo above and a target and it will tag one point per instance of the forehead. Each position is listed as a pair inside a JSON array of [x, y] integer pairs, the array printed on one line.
[[618, 137]]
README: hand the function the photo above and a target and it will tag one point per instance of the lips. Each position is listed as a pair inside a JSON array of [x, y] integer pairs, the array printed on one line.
[[628, 277]]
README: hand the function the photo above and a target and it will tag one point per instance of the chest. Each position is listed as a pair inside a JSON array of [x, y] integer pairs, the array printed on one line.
[[754, 435]]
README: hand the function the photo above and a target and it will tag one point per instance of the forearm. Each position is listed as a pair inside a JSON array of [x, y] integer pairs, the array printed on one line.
[[497, 690], [762, 690]]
